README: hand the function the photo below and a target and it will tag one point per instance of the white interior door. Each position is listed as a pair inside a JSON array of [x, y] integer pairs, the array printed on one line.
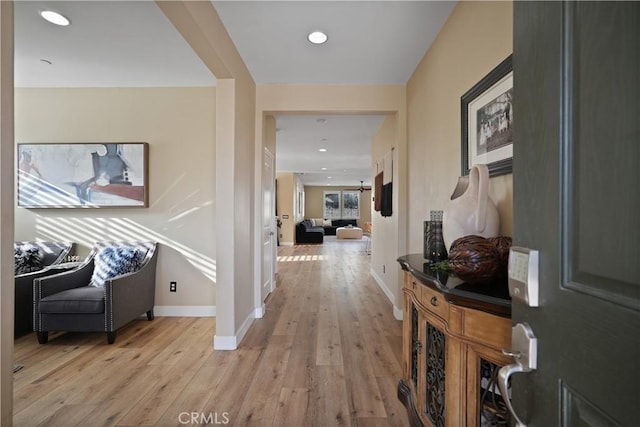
[[268, 223]]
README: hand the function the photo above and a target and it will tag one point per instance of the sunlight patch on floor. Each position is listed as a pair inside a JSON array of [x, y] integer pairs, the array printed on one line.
[[301, 258]]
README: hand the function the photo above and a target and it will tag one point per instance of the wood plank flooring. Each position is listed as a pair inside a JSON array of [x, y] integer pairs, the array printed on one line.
[[327, 353]]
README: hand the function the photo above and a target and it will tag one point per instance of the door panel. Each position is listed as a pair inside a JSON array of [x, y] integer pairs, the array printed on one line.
[[268, 224], [576, 200], [578, 411], [602, 118]]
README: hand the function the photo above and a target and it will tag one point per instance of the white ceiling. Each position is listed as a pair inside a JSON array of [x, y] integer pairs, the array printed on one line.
[[347, 140], [131, 43], [108, 44], [370, 42]]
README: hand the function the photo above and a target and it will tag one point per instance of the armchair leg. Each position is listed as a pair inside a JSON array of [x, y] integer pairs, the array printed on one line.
[[150, 315], [111, 337], [43, 337]]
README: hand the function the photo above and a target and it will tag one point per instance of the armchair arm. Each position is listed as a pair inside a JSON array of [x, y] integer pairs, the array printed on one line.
[[49, 285], [24, 282], [66, 248], [23, 318], [29, 277], [130, 295]]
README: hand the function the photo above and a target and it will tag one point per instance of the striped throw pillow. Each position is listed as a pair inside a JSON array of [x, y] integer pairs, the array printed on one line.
[[113, 261]]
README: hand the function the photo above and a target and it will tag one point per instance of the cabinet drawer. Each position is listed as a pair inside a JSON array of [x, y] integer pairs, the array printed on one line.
[[434, 302], [481, 328]]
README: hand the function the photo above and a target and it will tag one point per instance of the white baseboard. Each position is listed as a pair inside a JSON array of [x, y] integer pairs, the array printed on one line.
[[286, 243], [397, 313], [185, 310], [225, 342], [230, 342], [382, 285], [245, 327], [259, 312]]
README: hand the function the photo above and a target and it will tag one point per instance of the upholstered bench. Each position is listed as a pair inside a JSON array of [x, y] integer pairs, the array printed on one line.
[[349, 233]]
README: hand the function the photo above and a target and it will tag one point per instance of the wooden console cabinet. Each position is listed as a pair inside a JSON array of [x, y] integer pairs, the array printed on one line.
[[453, 336]]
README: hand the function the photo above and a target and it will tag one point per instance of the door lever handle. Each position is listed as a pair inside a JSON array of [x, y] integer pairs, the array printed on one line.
[[525, 355], [503, 380]]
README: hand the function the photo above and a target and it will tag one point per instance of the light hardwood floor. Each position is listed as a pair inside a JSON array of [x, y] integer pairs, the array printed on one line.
[[327, 353]]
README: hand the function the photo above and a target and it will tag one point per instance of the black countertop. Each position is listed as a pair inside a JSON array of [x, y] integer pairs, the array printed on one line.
[[489, 297]]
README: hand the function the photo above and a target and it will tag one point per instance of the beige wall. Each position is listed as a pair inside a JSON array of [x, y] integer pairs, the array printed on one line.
[[314, 202], [359, 99], [247, 216], [385, 237], [288, 188], [476, 37], [284, 201], [238, 218], [178, 124]]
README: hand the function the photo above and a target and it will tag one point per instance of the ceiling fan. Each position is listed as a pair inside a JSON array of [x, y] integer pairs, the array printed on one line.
[[362, 188]]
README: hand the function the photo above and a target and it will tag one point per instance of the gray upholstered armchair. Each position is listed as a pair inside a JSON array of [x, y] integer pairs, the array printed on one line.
[[115, 285], [43, 263]]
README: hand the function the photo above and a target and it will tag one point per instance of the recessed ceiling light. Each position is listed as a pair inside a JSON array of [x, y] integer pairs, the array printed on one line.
[[324, 169], [329, 177], [322, 150], [317, 37], [54, 18]]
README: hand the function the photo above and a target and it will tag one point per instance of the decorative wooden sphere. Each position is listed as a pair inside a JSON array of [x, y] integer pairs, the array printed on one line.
[[476, 259], [503, 244]]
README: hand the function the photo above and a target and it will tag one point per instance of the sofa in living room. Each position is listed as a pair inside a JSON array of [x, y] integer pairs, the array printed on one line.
[[308, 232], [330, 230], [313, 230]]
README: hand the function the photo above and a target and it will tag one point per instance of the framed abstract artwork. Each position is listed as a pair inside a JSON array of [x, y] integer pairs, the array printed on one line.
[[83, 175], [351, 204], [487, 121], [331, 205]]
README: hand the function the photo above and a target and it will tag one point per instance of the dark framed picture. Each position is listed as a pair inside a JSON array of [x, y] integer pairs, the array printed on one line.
[[79, 175], [487, 121]]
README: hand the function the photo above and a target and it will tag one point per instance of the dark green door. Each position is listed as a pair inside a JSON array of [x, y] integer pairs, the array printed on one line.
[[577, 200]]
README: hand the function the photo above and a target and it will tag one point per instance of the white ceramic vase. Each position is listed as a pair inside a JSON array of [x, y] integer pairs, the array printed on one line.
[[471, 210]]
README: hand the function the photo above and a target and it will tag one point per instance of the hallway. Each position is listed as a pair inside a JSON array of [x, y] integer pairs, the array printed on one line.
[[341, 362]]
